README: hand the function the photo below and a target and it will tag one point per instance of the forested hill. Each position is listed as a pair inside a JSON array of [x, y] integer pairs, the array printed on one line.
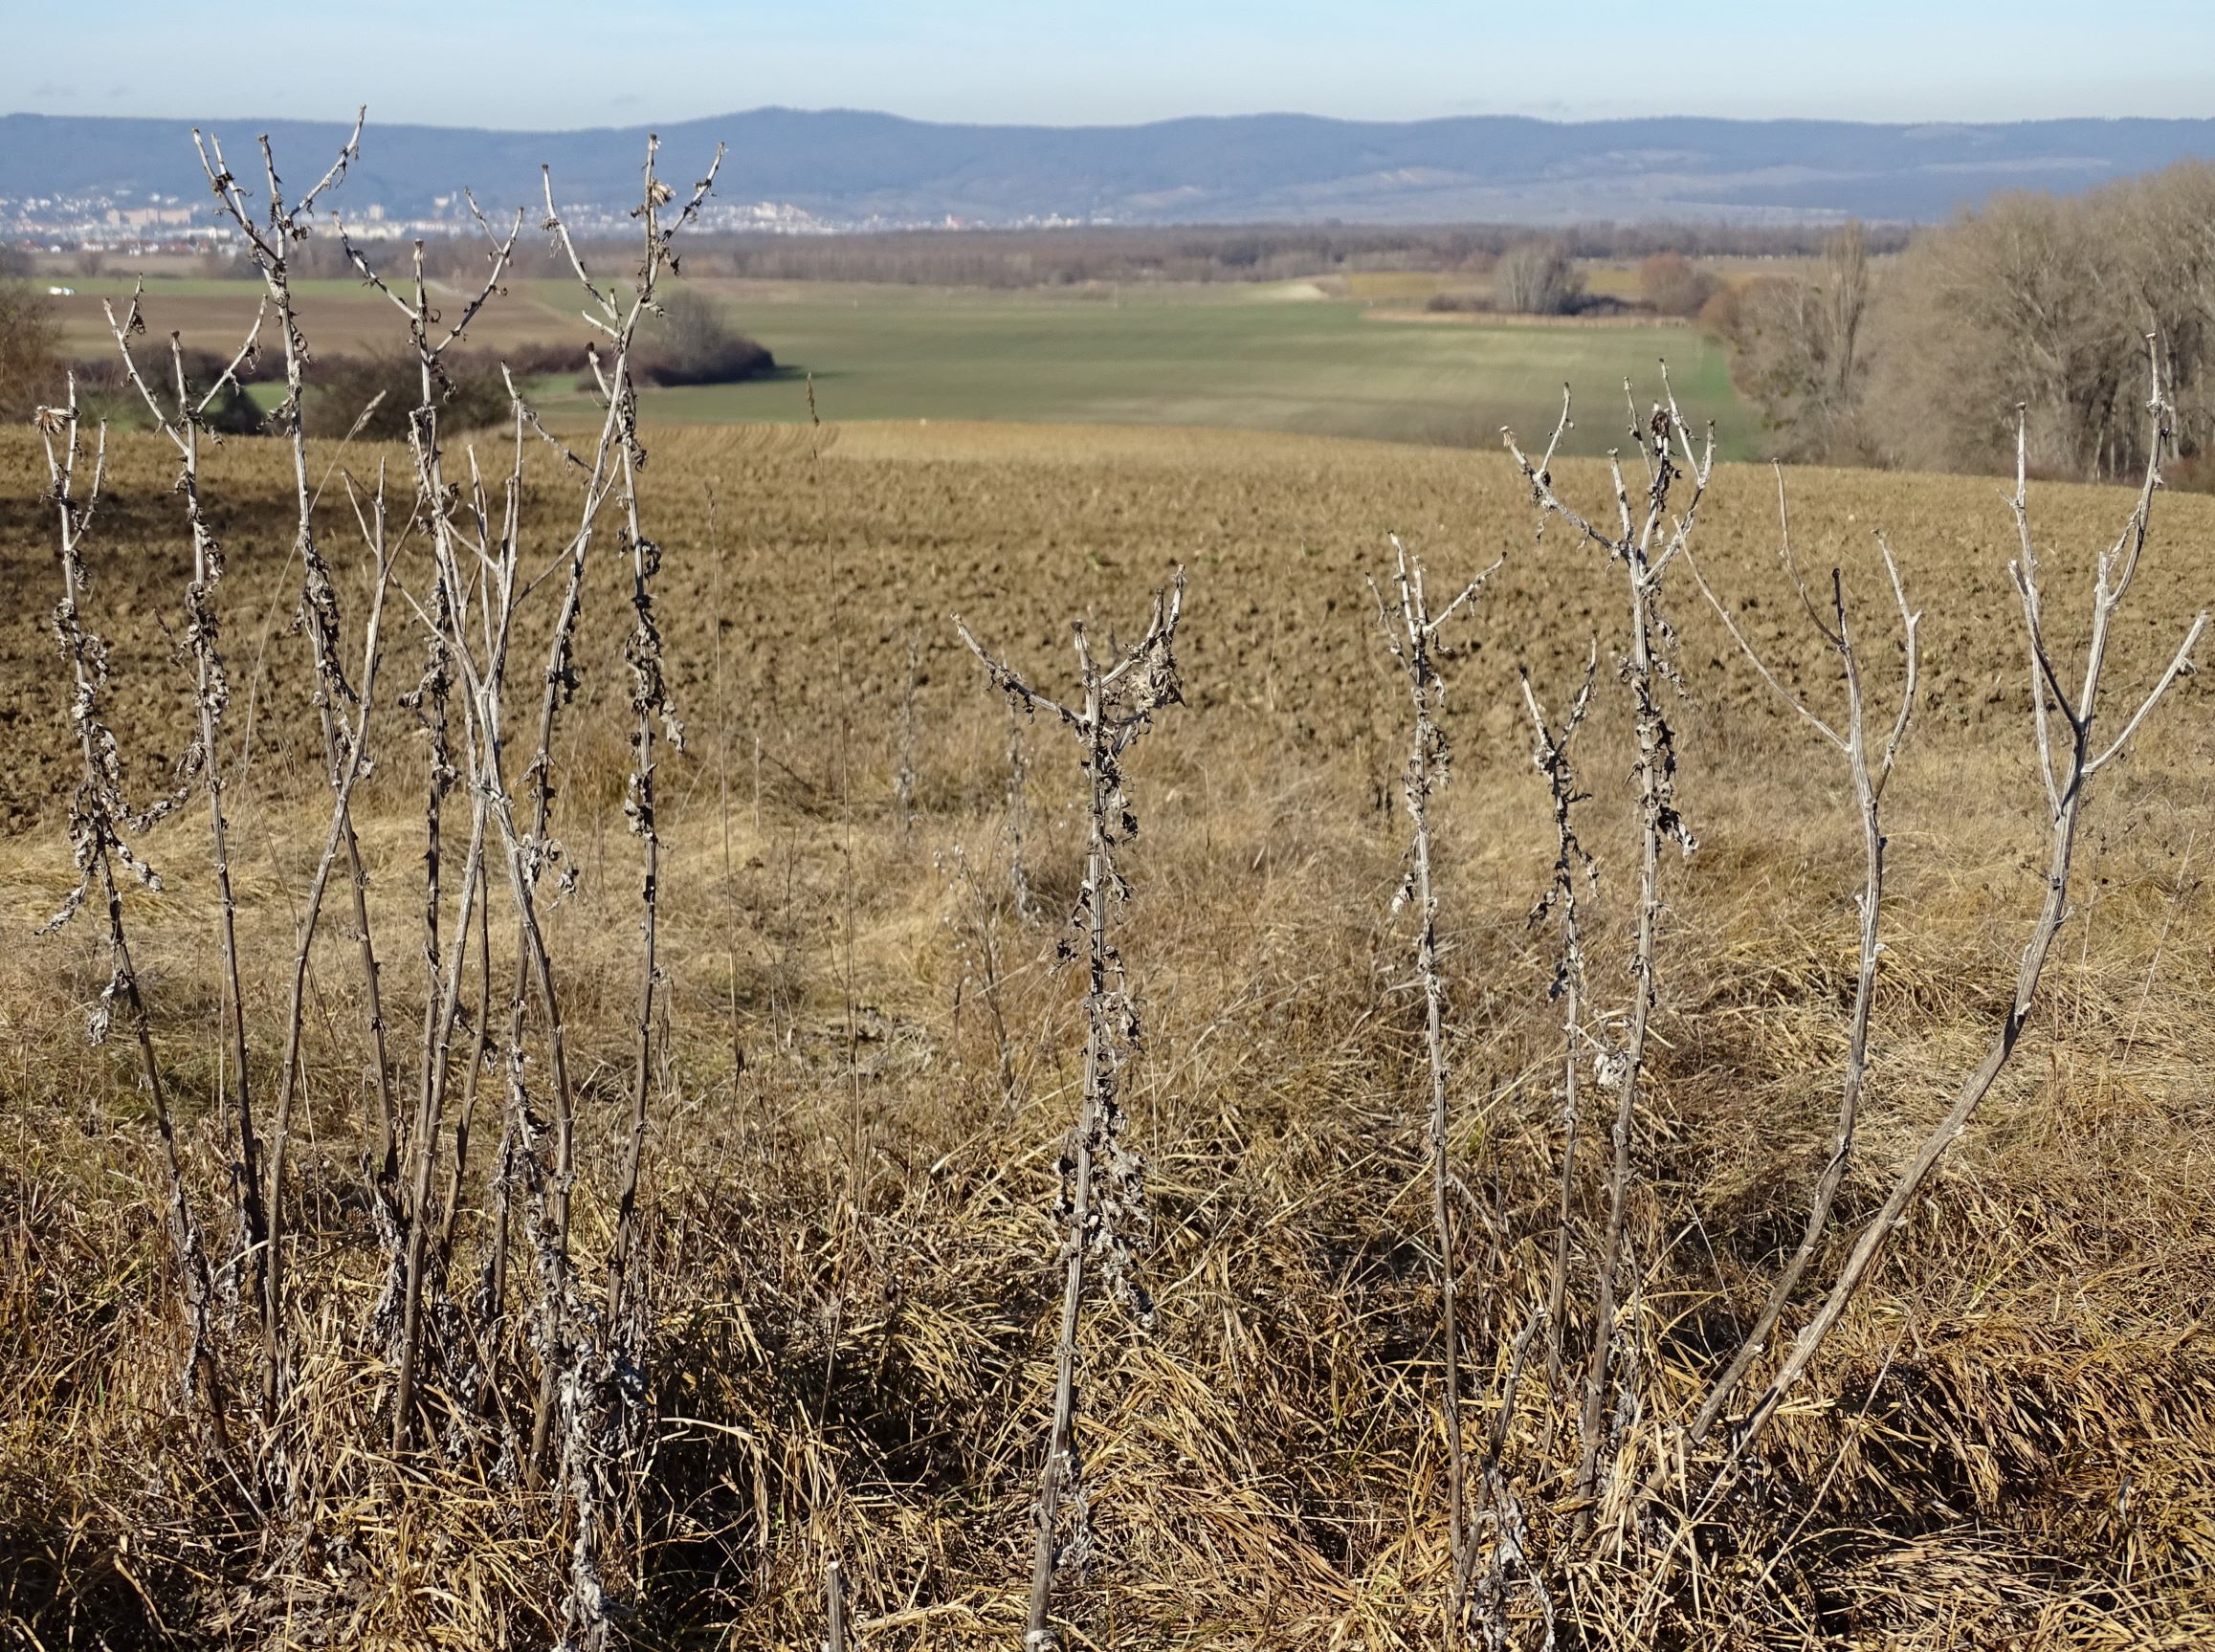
[[846, 167]]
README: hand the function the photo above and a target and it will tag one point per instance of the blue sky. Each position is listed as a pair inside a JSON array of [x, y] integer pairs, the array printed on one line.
[[557, 63]]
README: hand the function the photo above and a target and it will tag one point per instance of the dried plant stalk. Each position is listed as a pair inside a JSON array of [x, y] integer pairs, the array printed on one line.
[[903, 778], [2067, 776], [1101, 1210], [352, 765], [413, 1216], [1018, 819], [977, 942], [834, 1607], [1869, 762], [601, 1371], [1412, 632], [1644, 545], [1573, 867], [269, 238], [651, 708], [180, 420], [100, 823]]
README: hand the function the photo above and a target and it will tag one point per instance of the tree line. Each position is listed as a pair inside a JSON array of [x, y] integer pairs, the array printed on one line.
[[2034, 302]]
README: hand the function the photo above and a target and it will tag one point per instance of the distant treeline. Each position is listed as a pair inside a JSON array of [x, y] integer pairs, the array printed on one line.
[[2038, 301], [1078, 254], [1012, 259], [1240, 253]]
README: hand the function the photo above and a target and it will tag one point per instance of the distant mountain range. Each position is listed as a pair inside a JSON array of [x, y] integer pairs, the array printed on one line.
[[846, 168]]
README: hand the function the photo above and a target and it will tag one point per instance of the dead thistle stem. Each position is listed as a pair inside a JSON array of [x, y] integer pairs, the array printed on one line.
[[414, 1218], [971, 923], [722, 717], [857, 1153], [618, 457], [482, 662], [1118, 701], [1644, 547], [2068, 786], [446, 627], [1019, 819], [834, 1607], [180, 422], [480, 1044], [1411, 634], [588, 1377], [905, 773], [581, 1356], [529, 853], [651, 706], [1572, 865], [269, 243], [351, 766], [98, 820]]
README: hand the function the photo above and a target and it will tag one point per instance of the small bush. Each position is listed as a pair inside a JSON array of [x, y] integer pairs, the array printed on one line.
[[106, 393], [544, 359], [29, 372], [343, 385], [691, 343], [235, 413], [1723, 314], [1674, 285]]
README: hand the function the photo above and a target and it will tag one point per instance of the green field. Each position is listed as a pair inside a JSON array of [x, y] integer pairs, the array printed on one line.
[[1273, 357], [1241, 357]]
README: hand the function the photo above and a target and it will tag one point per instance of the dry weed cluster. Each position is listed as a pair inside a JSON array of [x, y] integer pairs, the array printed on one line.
[[1875, 1316]]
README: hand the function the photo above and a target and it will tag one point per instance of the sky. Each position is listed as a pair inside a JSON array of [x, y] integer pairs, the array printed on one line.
[[557, 64]]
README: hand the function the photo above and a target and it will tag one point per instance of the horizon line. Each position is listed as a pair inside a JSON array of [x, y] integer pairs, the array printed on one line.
[[648, 126]]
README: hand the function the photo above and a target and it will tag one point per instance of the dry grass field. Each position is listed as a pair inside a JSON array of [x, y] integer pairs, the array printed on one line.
[[347, 316], [870, 1059]]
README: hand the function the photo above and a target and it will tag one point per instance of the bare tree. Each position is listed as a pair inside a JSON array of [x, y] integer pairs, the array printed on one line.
[[1536, 278], [2165, 236], [1801, 353], [1101, 1210], [28, 361], [2021, 304], [1674, 285]]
